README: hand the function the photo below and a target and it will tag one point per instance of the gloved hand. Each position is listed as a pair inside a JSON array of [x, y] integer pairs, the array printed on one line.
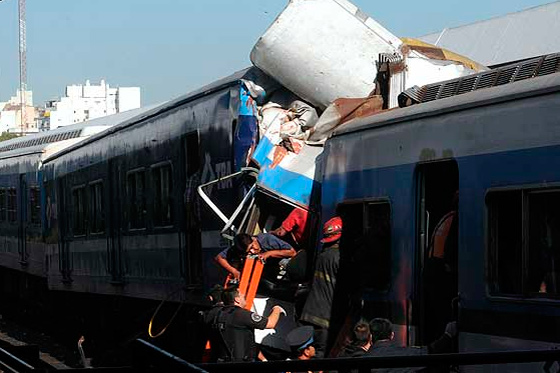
[[280, 309], [451, 329]]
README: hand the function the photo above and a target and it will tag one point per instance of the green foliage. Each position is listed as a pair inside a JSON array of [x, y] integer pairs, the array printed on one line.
[[7, 136]]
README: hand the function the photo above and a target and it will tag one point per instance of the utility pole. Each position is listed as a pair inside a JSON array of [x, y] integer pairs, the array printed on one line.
[[22, 64]]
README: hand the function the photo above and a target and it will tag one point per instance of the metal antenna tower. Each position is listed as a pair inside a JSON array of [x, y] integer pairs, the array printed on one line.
[[22, 64]]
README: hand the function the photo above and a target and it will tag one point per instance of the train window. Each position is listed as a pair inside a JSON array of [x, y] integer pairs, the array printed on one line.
[[192, 153], [505, 235], [12, 205], [524, 242], [366, 241], [79, 211], [35, 205], [96, 208], [2, 204], [543, 251], [136, 188], [162, 184]]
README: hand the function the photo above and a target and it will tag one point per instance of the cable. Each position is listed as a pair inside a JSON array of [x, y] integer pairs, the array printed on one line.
[[170, 321]]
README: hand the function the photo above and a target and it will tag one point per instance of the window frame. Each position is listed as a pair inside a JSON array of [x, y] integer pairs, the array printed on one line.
[[153, 168], [3, 205], [93, 208], [130, 203], [525, 296], [84, 214], [35, 205], [12, 212]]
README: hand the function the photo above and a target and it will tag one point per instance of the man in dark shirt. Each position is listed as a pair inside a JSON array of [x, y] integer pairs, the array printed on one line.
[[361, 341], [232, 327], [317, 308], [384, 344], [265, 245]]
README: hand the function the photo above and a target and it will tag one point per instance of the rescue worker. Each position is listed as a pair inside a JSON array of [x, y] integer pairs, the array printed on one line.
[[317, 308], [231, 259], [232, 327], [301, 341], [294, 226], [265, 245]]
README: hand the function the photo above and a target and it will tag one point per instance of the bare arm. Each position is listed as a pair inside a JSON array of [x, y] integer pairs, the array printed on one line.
[[285, 253], [280, 232], [228, 267], [274, 317]]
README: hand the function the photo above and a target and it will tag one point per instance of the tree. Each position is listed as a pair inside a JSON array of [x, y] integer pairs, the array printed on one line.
[[7, 135]]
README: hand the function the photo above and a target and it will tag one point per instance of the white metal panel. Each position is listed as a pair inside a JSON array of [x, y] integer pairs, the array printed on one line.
[[323, 50]]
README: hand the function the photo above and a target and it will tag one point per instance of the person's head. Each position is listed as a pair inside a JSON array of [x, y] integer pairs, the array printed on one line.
[[362, 333], [381, 329], [246, 244], [232, 297], [301, 341], [215, 294], [332, 231]]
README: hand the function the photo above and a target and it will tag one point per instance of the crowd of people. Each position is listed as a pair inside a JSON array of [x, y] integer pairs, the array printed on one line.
[[231, 327]]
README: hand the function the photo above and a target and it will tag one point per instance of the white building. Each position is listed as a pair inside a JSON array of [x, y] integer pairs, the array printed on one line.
[[11, 118], [85, 102]]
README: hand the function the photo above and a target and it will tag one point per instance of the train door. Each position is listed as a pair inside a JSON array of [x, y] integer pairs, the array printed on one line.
[[191, 263], [115, 265], [437, 243], [22, 220]]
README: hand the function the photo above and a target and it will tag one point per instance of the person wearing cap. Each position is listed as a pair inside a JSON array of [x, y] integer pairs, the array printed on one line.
[[317, 308], [301, 341], [232, 327]]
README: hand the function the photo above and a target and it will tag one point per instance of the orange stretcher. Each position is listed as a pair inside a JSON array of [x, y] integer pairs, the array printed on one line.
[[250, 278], [248, 285]]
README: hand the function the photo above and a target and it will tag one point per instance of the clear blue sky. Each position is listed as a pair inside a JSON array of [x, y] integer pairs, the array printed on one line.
[[170, 47]]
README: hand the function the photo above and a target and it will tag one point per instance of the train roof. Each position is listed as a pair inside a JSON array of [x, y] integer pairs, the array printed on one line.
[[503, 39], [43, 141], [250, 73], [517, 90]]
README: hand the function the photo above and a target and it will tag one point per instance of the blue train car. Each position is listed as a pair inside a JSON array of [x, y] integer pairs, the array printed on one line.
[[21, 199], [128, 219], [393, 177]]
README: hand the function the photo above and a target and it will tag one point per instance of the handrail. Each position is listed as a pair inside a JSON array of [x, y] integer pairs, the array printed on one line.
[[207, 199], [11, 363], [148, 355], [367, 363]]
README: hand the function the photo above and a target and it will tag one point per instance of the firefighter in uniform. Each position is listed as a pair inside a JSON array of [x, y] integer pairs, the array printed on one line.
[[232, 327], [317, 308]]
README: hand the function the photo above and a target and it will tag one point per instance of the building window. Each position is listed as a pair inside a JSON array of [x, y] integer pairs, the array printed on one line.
[[162, 187], [97, 207], [136, 189], [524, 242], [366, 237], [35, 205], [12, 205], [79, 211], [2, 204]]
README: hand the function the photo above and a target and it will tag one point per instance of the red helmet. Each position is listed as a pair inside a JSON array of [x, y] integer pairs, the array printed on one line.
[[332, 230]]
